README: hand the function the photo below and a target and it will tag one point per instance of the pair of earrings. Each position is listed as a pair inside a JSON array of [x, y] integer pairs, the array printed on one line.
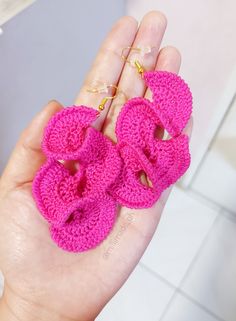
[[81, 208]]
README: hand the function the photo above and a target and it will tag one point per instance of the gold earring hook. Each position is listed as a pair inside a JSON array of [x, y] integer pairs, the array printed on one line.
[[137, 64], [105, 99], [103, 89]]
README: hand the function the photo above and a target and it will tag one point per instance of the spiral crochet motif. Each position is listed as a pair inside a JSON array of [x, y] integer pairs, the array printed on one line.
[[77, 206], [162, 161], [172, 100], [88, 225], [81, 207], [66, 131]]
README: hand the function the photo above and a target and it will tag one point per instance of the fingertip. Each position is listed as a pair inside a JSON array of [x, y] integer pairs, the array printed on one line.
[[128, 22], [53, 106], [128, 19], [154, 18], [172, 51], [169, 59]]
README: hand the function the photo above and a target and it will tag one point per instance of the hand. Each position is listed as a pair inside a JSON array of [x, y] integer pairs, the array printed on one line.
[[43, 282]]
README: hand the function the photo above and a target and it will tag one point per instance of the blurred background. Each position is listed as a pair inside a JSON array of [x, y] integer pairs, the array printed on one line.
[[189, 269]]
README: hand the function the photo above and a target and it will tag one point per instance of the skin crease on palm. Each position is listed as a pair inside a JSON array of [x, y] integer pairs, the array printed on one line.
[[43, 282]]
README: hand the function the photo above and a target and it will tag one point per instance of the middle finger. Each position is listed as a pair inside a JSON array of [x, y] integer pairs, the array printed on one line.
[[150, 34]]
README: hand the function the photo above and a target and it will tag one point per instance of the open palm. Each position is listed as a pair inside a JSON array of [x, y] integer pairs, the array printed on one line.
[[40, 277]]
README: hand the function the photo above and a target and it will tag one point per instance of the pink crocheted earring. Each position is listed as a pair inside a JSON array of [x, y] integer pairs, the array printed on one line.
[[81, 207], [77, 206], [161, 161]]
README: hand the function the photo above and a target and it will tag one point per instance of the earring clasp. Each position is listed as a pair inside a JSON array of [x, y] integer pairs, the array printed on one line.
[[105, 88], [136, 62]]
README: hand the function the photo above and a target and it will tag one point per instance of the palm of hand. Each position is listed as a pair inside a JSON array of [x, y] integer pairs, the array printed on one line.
[[77, 286], [38, 271]]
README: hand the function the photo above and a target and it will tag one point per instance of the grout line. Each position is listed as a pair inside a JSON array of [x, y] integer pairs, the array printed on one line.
[[166, 282], [198, 253], [167, 307], [193, 301], [157, 275], [203, 199], [178, 290], [229, 216], [209, 202], [202, 245], [200, 305]]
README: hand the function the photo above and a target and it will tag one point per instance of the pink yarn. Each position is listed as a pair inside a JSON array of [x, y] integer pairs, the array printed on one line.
[[66, 131], [88, 225], [81, 207], [163, 162], [172, 100], [164, 168], [68, 201]]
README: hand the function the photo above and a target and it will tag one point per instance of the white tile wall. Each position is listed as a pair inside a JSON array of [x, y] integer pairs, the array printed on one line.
[[143, 297], [183, 309], [216, 178], [212, 279], [184, 224]]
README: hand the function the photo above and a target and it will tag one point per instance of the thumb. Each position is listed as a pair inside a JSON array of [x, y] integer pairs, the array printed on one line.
[[27, 156]]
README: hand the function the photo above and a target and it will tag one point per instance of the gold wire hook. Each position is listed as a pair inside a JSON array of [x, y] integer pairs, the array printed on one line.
[[137, 64], [101, 106], [105, 99]]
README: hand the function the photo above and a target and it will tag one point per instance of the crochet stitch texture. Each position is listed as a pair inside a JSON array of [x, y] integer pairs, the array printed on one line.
[[163, 161], [81, 207]]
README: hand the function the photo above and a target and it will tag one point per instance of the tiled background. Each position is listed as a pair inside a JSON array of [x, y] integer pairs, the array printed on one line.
[[188, 272], [189, 269]]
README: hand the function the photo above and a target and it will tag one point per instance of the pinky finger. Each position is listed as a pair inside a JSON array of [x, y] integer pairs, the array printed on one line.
[[169, 59]]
